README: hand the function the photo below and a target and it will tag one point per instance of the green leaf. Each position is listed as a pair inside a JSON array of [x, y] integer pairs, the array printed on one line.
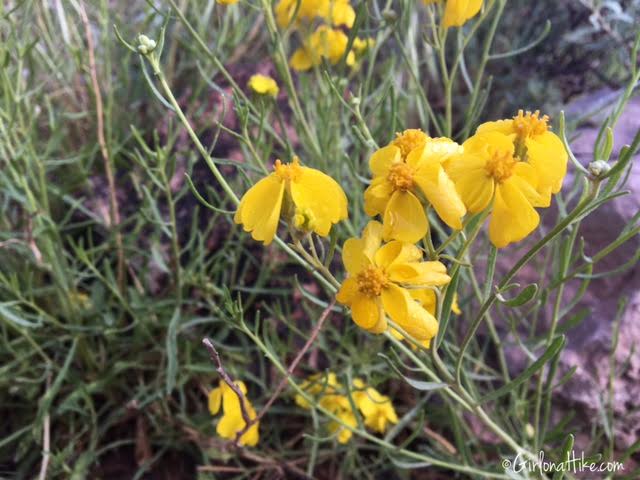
[[417, 384], [172, 351], [525, 296]]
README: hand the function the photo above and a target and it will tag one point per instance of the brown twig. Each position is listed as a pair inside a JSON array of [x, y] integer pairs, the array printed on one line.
[[291, 369], [213, 353], [114, 213]]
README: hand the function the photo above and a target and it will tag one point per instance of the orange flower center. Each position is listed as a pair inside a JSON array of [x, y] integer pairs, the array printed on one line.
[[500, 166], [288, 171], [409, 140], [529, 124], [401, 176], [372, 281]]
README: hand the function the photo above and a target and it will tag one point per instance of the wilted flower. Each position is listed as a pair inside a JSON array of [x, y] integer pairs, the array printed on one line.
[[232, 422], [406, 170], [306, 197], [378, 280]]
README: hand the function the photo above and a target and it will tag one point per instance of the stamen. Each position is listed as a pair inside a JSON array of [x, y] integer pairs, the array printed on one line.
[[372, 281], [401, 176]]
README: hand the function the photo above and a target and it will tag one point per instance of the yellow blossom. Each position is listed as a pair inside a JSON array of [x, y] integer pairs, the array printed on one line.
[[325, 42], [232, 422], [263, 85], [410, 167], [488, 173], [536, 145], [337, 12], [377, 277], [227, 2], [377, 410], [457, 12], [310, 199]]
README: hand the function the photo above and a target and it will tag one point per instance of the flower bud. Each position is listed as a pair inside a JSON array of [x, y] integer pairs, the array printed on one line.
[[390, 16], [145, 44], [599, 168]]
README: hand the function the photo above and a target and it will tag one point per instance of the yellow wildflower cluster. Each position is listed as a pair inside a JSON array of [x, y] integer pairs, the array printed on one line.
[[232, 422], [376, 409], [328, 41], [457, 12]]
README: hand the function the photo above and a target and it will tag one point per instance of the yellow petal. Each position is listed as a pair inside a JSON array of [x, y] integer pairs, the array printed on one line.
[[382, 159], [419, 273], [426, 297], [353, 256], [547, 155], [348, 291], [407, 313], [502, 126], [404, 218], [301, 60], [322, 196], [526, 179], [367, 313], [376, 196], [397, 252], [372, 238], [259, 209], [229, 425], [513, 217], [342, 14], [441, 192], [215, 401], [472, 183], [457, 12]]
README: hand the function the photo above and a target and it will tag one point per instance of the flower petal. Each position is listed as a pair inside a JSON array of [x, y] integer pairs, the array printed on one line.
[[372, 238], [215, 400], [404, 218], [419, 273], [441, 192], [376, 196], [353, 256], [526, 179], [407, 313], [259, 209], [322, 195], [513, 217], [396, 252], [348, 291], [367, 313], [382, 159], [472, 183], [547, 155]]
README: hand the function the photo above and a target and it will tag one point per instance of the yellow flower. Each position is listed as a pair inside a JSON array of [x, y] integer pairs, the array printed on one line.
[[377, 410], [410, 167], [263, 85], [310, 199], [457, 12], [377, 277], [232, 422], [488, 172], [317, 384], [325, 42], [338, 12], [536, 145], [227, 2], [361, 45]]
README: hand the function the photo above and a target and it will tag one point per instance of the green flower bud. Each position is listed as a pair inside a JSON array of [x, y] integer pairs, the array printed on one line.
[[599, 168]]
